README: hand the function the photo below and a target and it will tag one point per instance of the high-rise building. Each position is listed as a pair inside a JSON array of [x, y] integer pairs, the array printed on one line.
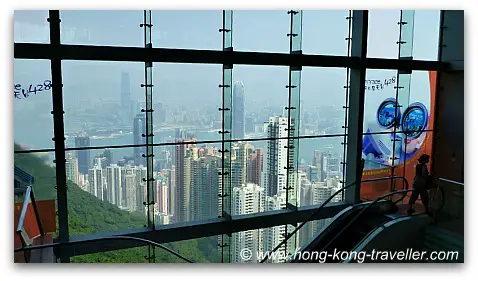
[[83, 156], [71, 166], [274, 174], [126, 103], [162, 197], [272, 236], [139, 128], [183, 157], [95, 178], [238, 111], [129, 183], [114, 185], [313, 173], [247, 199], [204, 187], [108, 155], [254, 166], [140, 176], [171, 178]]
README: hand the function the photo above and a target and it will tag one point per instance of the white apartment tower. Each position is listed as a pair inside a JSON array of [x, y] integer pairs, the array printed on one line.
[[247, 199], [274, 174]]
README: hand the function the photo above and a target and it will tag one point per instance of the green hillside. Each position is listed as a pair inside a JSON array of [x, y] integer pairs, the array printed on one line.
[[87, 214]]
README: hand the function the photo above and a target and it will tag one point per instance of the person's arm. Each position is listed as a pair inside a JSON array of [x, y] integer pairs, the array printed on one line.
[[425, 171]]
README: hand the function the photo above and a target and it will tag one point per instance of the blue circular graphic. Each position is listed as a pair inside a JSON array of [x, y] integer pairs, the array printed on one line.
[[386, 113], [415, 120]]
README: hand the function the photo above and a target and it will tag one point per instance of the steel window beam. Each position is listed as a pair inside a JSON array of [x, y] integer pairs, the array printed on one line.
[[94, 243], [137, 54]]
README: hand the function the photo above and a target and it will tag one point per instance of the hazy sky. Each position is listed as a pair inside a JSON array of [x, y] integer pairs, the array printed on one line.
[[324, 32]]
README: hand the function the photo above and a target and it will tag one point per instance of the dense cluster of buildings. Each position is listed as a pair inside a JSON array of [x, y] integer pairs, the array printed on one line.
[[188, 181]]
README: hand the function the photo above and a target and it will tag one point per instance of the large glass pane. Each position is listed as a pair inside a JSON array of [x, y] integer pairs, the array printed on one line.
[[110, 195], [102, 27], [383, 33], [186, 97], [31, 26], [32, 104], [259, 93], [325, 32], [320, 169], [187, 29], [103, 101], [261, 31], [426, 33], [323, 98]]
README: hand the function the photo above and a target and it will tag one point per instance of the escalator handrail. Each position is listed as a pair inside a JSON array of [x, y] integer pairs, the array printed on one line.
[[119, 237], [323, 205], [363, 211]]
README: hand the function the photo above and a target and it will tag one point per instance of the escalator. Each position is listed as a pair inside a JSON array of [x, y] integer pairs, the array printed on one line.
[[342, 236]]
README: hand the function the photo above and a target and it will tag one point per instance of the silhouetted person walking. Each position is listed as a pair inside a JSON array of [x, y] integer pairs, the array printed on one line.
[[420, 184]]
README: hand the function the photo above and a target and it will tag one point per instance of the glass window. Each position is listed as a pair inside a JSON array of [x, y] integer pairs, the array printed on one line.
[[102, 27], [31, 26], [109, 193], [180, 29], [32, 106], [103, 101], [325, 32], [261, 31]]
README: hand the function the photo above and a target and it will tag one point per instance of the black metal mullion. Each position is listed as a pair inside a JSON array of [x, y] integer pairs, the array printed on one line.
[[59, 133]]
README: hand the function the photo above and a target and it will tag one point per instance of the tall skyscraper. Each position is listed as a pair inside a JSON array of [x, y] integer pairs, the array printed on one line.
[[238, 111], [139, 128], [171, 176], [140, 174], [95, 178], [274, 174], [247, 199], [114, 184], [204, 187], [129, 189], [83, 156], [254, 166], [183, 157], [72, 168], [126, 103]]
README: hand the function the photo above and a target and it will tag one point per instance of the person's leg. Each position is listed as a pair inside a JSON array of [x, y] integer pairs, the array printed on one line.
[[412, 200], [424, 198]]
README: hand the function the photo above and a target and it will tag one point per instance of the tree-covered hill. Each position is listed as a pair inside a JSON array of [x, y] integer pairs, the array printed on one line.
[[87, 214]]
